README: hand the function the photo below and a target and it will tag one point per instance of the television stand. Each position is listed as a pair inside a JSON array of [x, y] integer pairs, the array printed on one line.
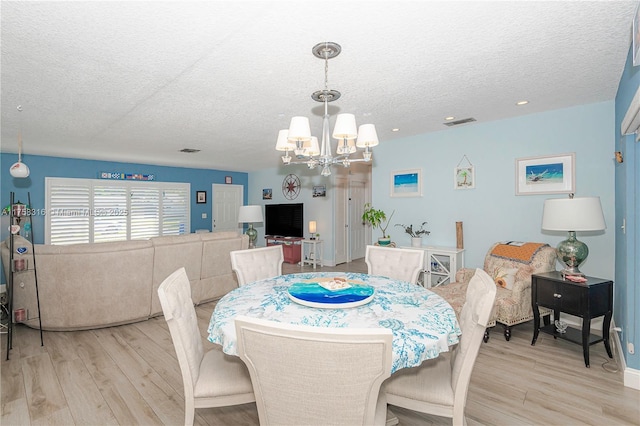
[[291, 247]]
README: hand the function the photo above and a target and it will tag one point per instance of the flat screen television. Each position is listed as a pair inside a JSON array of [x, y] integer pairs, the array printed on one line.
[[284, 220]]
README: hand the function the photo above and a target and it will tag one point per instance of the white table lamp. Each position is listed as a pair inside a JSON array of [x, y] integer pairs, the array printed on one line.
[[312, 229], [571, 215], [250, 215]]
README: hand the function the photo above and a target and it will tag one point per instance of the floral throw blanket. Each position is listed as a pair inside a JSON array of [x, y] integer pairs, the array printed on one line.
[[517, 251]]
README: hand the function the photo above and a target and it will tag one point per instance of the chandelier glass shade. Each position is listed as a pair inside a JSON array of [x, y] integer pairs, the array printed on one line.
[[297, 139]]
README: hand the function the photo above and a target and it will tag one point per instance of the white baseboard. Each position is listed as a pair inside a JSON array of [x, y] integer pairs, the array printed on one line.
[[632, 378], [630, 375]]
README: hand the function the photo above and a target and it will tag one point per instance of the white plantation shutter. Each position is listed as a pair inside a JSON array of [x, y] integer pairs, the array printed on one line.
[[96, 210], [144, 210], [110, 212], [175, 212], [68, 204]]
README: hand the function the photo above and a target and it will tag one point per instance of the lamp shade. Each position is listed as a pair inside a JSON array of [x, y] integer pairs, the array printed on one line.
[[345, 127], [250, 214], [311, 147], [573, 214], [283, 143], [299, 129], [367, 136], [312, 226]]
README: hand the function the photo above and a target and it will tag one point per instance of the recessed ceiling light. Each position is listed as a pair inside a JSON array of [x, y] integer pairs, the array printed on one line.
[[449, 118], [520, 103], [395, 130]]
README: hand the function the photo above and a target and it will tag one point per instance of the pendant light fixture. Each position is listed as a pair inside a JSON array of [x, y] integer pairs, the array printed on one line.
[[19, 169], [305, 147]]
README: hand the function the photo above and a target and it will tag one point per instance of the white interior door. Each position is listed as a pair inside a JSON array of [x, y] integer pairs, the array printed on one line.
[[357, 228], [226, 203], [341, 229]]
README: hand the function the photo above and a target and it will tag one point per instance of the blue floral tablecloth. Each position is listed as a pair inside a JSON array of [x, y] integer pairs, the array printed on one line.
[[423, 323]]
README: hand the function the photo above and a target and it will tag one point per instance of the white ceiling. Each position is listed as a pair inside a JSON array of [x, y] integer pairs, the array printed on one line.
[[138, 81]]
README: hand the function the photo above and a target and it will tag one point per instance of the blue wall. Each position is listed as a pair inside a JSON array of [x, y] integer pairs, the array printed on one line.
[[41, 167], [627, 286], [491, 211]]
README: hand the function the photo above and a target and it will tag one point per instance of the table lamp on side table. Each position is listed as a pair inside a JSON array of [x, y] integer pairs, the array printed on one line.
[[572, 214], [250, 215], [312, 229]]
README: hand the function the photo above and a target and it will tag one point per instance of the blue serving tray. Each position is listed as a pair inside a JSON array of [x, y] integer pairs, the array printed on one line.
[[316, 296]]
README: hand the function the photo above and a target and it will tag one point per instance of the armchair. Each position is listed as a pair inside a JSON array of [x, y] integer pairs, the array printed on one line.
[[511, 265]]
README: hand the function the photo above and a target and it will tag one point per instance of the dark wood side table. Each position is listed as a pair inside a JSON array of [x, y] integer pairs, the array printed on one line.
[[585, 300]]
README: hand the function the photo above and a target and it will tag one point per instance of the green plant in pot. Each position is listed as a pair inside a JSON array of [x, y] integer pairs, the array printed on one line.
[[378, 219], [415, 234]]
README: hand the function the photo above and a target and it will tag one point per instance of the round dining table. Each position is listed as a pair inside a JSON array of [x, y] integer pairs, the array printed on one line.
[[423, 323]]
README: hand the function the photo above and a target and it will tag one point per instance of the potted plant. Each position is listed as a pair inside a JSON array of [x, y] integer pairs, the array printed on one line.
[[378, 219], [415, 234]]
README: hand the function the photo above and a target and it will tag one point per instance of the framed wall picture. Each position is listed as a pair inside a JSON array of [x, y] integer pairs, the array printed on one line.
[[201, 197], [464, 177], [319, 191], [227, 179], [267, 194], [406, 183], [553, 174]]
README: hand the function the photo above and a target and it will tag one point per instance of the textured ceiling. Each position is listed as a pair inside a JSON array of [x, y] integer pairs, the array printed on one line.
[[138, 81]]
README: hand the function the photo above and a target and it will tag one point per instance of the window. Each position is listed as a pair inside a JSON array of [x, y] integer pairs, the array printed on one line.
[[96, 210]]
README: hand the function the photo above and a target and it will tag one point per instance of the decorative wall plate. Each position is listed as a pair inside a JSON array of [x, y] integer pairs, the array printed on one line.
[[291, 186]]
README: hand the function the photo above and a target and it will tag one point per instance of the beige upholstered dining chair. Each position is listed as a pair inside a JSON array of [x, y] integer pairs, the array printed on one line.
[[439, 386], [396, 263], [305, 375], [211, 379], [257, 264]]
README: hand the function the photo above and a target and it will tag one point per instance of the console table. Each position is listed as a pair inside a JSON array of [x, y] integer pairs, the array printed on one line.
[[290, 247], [587, 300]]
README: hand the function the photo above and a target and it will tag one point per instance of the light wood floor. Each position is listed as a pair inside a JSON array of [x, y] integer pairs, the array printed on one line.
[[129, 375]]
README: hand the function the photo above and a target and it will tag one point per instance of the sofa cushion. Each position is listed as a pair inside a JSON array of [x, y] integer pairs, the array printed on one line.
[[173, 252], [91, 285], [216, 277]]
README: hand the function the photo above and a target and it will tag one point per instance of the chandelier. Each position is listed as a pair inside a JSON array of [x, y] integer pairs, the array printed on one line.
[[297, 138]]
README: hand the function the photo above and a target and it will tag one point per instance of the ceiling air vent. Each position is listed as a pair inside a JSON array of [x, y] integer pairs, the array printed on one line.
[[458, 122], [189, 150]]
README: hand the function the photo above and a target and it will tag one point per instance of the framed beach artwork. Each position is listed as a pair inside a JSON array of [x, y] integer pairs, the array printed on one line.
[[406, 183], [319, 191], [546, 175], [464, 176]]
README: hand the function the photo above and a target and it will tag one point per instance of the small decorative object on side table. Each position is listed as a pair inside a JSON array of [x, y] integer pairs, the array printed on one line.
[[587, 300]]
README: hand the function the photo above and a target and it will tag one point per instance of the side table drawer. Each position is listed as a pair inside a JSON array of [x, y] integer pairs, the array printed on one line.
[[571, 299]]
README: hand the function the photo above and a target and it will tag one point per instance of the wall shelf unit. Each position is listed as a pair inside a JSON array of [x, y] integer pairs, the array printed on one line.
[[22, 261]]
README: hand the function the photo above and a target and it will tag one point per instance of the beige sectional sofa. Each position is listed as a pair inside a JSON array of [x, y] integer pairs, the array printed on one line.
[[84, 286]]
